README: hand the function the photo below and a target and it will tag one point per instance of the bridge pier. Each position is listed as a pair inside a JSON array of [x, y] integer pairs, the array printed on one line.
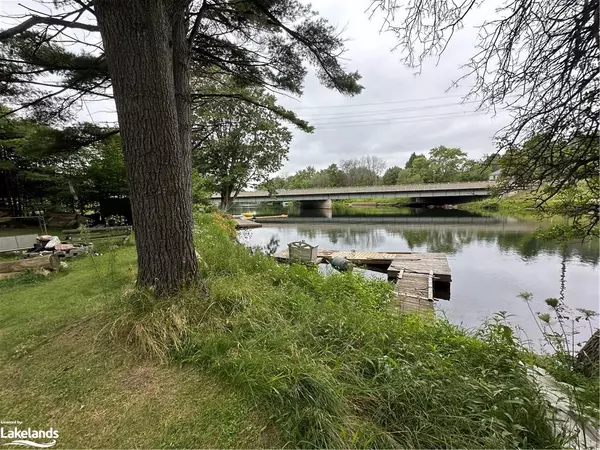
[[315, 204]]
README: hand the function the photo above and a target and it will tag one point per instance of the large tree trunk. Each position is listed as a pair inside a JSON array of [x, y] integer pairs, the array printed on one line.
[[226, 199], [139, 46], [588, 358]]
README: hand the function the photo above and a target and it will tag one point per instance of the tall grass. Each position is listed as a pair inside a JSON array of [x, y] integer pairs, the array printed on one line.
[[333, 363]]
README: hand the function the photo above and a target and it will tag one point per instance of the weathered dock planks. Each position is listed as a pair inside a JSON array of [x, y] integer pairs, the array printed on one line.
[[414, 292], [422, 263]]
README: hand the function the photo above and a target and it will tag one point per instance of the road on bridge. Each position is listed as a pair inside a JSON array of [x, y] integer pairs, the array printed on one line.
[[437, 190]]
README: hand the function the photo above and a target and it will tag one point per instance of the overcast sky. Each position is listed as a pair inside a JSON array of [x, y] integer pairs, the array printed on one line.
[[398, 112], [398, 118]]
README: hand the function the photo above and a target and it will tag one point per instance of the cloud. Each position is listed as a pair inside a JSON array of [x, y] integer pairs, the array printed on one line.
[[399, 110], [391, 118]]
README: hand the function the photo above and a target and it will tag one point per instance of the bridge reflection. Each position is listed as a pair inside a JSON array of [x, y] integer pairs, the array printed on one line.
[[325, 216]]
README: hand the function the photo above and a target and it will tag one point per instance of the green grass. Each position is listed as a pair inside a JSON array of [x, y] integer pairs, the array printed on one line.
[[333, 364], [257, 355], [59, 368], [520, 205]]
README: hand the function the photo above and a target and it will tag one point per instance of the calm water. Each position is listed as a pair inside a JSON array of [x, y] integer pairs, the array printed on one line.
[[492, 259]]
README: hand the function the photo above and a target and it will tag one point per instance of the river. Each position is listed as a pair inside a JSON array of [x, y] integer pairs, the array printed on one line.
[[492, 259]]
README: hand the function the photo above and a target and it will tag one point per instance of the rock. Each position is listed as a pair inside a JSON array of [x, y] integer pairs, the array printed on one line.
[[341, 264]]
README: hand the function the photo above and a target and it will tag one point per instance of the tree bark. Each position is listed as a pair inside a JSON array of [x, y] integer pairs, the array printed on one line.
[[49, 262], [138, 37], [226, 200], [588, 358]]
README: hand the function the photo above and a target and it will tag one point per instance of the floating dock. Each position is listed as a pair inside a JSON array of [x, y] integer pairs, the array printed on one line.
[[245, 224], [420, 277]]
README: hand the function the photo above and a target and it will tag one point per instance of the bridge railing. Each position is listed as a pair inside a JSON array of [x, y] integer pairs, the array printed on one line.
[[363, 190]]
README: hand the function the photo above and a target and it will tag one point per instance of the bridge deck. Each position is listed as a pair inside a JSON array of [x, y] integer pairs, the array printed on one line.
[[405, 190]]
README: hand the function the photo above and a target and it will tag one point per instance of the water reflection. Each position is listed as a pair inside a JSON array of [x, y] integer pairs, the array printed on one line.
[[450, 240], [351, 237], [492, 261]]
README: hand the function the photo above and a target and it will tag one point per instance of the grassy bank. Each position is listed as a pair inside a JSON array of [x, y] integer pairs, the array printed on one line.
[[60, 367], [257, 355], [520, 205]]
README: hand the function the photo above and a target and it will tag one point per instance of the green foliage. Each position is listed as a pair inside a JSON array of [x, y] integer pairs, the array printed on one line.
[[560, 326], [563, 178], [45, 168], [333, 176], [364, 171], [444, 165], [564, 208], [238, 143], [391, 175], [520, 204], [336, 367], [202, 189]]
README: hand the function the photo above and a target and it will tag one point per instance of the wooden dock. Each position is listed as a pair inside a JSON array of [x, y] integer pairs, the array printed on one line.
[[420, 277], [422, 263], [414, 292], [245, 224]]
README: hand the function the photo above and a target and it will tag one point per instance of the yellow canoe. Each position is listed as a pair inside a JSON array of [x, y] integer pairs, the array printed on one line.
[[248, 214]]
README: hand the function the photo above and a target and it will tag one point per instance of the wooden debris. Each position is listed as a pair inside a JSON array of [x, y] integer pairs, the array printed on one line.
[[49, 262], [430, 286]]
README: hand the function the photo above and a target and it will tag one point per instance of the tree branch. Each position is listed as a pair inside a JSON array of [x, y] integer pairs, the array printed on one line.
[[37, 20]]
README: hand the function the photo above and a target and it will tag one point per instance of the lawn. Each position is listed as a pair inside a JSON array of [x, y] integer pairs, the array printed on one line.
[[256, 355], [59, 368]]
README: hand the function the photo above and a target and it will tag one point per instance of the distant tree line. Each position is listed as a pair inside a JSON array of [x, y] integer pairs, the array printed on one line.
[[441, 165]]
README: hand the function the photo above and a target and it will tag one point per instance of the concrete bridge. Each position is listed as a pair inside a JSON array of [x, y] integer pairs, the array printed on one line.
[[320, 198]]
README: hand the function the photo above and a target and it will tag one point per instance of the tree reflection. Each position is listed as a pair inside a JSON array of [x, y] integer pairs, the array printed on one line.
[[437, 240], [363, 238], [452, 241]]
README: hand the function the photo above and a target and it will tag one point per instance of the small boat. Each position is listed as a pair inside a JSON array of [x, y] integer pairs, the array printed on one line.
[[248, 214]]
